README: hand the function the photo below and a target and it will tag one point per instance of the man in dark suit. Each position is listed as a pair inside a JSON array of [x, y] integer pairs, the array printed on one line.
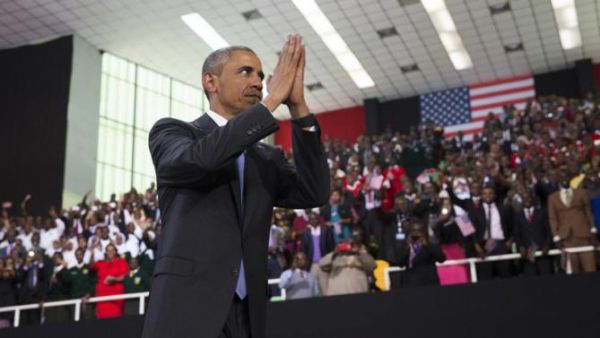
[[217, 186], [419, 256], [531, 232], [493, 230], [31, 277], [316, 241]]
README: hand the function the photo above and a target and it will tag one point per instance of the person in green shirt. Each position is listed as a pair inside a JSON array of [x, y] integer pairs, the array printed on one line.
[[81, 281], [137, 280]]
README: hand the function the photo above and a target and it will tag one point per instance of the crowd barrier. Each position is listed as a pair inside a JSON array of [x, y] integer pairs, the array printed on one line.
[[77, 302]]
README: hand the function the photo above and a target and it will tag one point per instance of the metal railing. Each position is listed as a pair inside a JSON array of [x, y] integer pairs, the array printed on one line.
[[474, 260], [142, 295], [78, 301]]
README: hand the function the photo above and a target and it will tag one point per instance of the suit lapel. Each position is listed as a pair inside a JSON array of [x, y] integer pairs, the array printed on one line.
[[205, 125]]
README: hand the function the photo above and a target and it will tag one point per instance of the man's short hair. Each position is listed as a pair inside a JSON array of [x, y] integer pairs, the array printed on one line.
[[215, 60]]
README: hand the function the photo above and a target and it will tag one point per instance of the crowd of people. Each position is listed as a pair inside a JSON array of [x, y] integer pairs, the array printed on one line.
[[92, 249], [530, 181]]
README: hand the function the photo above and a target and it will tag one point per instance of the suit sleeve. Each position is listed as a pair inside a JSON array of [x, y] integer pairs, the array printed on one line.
[[181, 159], [454, 199], [588, 209], [517, 230], [305, 185]]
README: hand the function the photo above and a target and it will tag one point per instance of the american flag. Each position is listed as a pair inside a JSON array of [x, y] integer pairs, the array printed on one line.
[[467, 108]]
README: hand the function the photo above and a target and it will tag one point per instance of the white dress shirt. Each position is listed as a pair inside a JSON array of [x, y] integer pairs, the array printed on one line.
[[495, 222]]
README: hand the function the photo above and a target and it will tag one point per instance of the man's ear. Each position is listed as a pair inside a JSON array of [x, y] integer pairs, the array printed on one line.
[[209, 82]]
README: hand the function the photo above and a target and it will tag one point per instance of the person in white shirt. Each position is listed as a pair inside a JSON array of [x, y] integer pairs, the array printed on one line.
[[297, 281]]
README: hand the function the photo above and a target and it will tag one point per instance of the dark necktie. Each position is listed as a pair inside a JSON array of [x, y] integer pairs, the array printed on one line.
[[240, 288]]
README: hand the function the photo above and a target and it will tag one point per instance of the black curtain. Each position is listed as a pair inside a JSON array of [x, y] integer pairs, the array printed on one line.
[[34, 95], [561, 82], [400, 114]]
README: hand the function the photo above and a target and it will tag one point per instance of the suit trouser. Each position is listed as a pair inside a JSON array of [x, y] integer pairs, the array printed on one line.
[[374, 227], [541, 266], [237, 324], [489, 270], [581, 262]]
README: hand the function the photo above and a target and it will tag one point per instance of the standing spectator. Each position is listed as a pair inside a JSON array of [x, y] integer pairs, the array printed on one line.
[[297, 281], [375, 187], [81, 282], [8, 291], [532, 233], [137, 280], [395, 227], [493, 237], [492, 234], [315, 242], [419, 257], [57, 289], [572, 223], [452, 240], [111, 272], [31, 278], [337, 214], [348, 269]]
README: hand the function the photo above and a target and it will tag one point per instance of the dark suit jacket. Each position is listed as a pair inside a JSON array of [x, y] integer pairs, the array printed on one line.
[[423, 270], [205, 234], [326, 241], [478, 218], [538, 231]]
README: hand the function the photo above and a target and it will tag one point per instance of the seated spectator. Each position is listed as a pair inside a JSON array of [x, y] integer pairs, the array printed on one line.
[[111, 272], [297, 281], [347, 269]]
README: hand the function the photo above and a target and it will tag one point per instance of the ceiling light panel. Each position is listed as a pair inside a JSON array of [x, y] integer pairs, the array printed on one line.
[[568, 25], [446, 29], [204, 30], [334, 42]]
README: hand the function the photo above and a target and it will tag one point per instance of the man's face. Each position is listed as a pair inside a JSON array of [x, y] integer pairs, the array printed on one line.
[[335, 197], [313, 219], [527, 200], [239, 85], [488, 195]]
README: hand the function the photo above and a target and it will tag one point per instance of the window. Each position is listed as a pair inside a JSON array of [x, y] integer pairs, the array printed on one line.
[[132, 99]]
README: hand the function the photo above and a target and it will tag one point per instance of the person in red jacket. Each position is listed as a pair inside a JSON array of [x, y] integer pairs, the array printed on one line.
[[110, 272]]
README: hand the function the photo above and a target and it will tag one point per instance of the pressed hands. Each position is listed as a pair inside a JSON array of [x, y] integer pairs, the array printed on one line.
[[286, 84]]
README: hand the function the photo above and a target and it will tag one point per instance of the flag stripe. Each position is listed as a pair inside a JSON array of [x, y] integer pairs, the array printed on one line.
[[501, 81], [505, 103], [497, 110], [501, 99], [502, 92]]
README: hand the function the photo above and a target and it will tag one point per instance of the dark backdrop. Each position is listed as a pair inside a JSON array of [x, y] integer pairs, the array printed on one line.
[[551, 306], [34, 94]]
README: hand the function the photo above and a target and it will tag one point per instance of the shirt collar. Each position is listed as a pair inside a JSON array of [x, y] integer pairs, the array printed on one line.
[[218, 119]]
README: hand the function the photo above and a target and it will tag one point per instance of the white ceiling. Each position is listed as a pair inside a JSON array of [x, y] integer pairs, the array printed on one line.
[[151, 33]]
